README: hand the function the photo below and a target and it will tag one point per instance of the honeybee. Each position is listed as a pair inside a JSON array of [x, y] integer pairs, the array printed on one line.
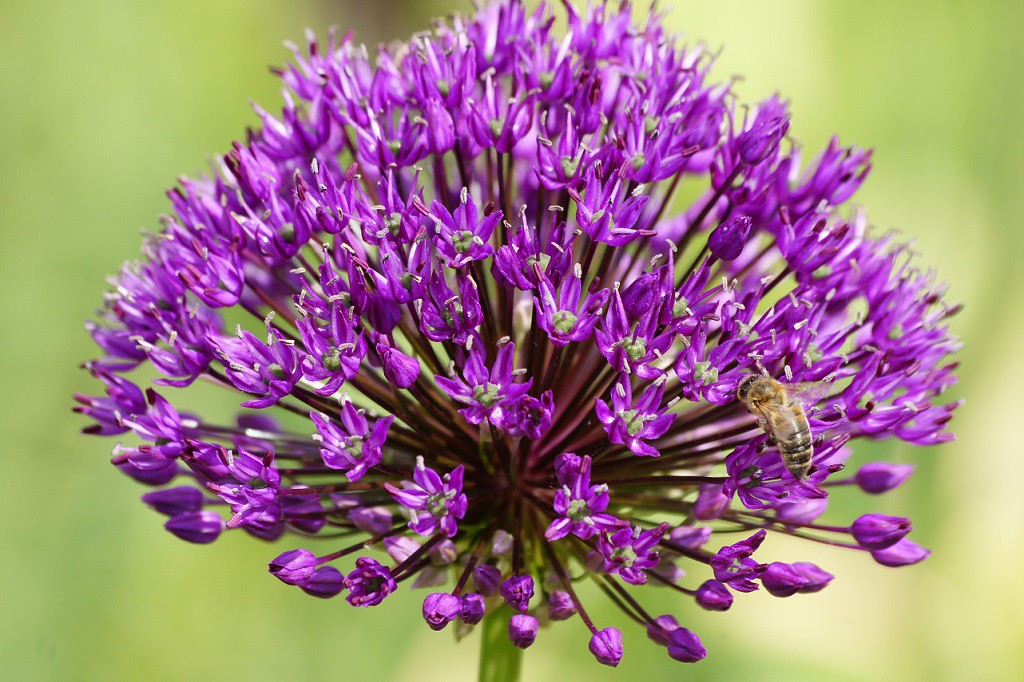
[[782, 417]]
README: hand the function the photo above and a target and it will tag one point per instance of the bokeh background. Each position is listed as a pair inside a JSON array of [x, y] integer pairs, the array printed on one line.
[[104, 103]]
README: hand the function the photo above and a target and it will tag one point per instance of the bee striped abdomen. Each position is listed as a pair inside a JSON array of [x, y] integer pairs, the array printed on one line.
[[796, 446]]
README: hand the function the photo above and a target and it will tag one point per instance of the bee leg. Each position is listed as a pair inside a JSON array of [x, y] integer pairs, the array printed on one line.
[[763, 425]]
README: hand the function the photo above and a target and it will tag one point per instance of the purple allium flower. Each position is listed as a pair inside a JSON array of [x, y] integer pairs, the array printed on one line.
[[462, 260], [351, 446], [630, 552], [441, 499], [633, 424], [368, 583], [578, 503], [733, 565]]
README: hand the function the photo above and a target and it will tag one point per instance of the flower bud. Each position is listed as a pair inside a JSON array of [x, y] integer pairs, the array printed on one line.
[[667, 570], [501, 543], [691, 537], [440, 127], [200, 527], [304, 514], [486, 579], [661, 630], [714, 596], [710, 503], [685, 646], [522, 630], [400, 548], [801, 511], [441, 608], [152, 475], [560, 606], [472, 609], [174, 501], [728, 239], [326, 582], [294, 566], [903, 553], [761, 141], [567, 467], [373, 520], [639, 296], [877, 531], [517, 591], [606, 645], [444, 553], [399, 369], [880, 477], [815, 579], [781, 580]]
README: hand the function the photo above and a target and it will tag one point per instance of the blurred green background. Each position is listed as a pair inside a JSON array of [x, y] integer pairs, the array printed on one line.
[[105, 102]]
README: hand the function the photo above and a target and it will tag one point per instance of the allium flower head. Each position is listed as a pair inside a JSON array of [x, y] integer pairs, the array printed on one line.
[[477, 343]]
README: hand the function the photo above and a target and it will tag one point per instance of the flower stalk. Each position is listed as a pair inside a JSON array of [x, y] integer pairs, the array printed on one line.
[[500, 660]]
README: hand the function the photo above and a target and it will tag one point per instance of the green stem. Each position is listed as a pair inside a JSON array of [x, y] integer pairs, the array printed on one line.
[[500, 660]]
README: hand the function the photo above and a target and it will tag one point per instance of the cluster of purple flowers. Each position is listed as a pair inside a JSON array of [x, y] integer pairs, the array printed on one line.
[[458, 264]]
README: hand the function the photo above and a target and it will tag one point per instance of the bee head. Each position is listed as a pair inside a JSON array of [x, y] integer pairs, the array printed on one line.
[[743, 388]]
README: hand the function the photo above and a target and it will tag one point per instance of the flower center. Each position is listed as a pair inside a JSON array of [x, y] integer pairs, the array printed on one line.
[[355, 447], [486, 395], [635, 422], [331, 360], [437, 505], [569, 166], [542, 260], [635, 348], [705, 373], [394, 223], [578, 511], [448, 313], [564, 321], [679, 307], [624, 555], [462, 242]]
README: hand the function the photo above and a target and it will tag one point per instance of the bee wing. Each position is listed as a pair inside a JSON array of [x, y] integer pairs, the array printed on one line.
[[808, 392], [767, 419]]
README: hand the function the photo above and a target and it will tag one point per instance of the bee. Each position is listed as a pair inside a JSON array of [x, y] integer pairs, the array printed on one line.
[[782, 417]]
